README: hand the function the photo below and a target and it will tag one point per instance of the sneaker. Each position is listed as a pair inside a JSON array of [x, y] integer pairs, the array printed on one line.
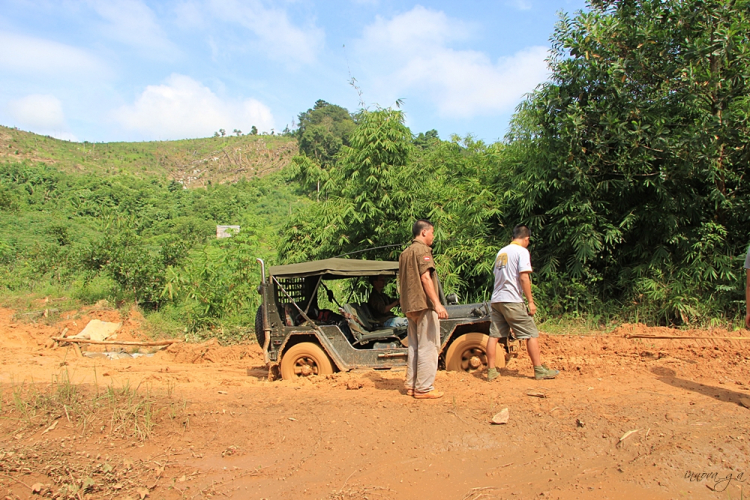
[[542, 372], [428, 395], [492, 374]]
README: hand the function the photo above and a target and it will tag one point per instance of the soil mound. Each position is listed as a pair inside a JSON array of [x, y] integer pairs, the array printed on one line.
[[211, 352]]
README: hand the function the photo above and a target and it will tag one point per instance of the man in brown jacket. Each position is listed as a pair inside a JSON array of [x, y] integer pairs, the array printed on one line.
[[419, 300]]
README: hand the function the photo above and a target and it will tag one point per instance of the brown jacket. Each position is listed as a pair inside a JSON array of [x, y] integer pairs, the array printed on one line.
[[412, 264]]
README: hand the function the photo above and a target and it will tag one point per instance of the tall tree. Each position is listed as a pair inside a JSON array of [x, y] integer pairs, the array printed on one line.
[[631, 161], [382, 183], [323, 130], [363, 197]]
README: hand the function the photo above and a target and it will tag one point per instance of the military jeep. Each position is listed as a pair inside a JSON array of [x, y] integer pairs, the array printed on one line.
[[301, 340]]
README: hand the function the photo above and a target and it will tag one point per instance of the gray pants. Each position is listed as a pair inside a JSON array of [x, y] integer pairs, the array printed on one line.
[[423, 334]]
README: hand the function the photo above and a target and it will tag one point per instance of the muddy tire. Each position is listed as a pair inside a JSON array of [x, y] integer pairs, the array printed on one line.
[[305, 360], [260, 334], [468, 353]]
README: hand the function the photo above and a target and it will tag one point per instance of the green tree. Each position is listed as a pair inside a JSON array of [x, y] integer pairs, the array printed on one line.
[[630, 162], [363, 197], [381, 184], [427, 139], [323, 130]]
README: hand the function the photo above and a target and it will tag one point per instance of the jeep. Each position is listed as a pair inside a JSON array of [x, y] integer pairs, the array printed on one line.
[[301, 340]]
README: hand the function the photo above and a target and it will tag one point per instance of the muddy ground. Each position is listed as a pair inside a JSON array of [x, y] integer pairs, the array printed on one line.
[[626, 418]]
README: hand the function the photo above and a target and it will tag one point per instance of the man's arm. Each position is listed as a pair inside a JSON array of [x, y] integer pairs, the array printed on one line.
[[747, 300], [429, 289], [525, 279]]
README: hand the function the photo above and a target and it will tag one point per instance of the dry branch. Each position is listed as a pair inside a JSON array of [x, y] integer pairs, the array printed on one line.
[[115, 342]]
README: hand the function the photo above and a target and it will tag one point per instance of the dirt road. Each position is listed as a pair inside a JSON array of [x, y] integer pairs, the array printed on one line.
[[625, 419]]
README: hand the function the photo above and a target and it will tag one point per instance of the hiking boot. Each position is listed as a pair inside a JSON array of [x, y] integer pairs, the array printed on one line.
[[492, 374], [542, 372]]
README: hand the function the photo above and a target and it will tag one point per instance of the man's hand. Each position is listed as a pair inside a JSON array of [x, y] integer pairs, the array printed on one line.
[[430, 291], [441, 312], [525, 280]]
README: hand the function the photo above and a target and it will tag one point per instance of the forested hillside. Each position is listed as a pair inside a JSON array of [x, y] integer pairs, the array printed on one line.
[[144, 240], [630, 166]]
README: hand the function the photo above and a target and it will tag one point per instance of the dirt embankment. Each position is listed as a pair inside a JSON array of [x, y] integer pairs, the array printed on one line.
[[626, 418]]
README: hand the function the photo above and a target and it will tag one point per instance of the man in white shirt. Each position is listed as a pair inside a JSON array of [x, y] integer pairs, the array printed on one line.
[[512, 277], [747, 290]]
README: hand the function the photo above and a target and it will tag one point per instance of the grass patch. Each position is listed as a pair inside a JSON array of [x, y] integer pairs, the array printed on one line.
[[120, 412], [576, 326], [169, 321]]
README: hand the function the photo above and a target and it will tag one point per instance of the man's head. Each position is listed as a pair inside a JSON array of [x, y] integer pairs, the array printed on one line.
[[378, 282], [423, 230], [522, 235]]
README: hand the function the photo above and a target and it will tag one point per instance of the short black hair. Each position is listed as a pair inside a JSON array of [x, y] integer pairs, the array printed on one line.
[[521, 231], [419, 226]]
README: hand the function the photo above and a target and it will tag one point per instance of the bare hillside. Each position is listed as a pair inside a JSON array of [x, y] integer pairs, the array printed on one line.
[[192, 162]]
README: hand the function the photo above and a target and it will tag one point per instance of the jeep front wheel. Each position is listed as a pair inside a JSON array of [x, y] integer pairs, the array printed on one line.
[[468, 353], [305, 360]]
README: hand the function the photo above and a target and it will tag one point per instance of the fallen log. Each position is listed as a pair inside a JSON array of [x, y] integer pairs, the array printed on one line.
[[115, 342], [677, 337]]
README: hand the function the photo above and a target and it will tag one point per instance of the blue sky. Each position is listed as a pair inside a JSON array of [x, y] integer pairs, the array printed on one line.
[[124, 70]]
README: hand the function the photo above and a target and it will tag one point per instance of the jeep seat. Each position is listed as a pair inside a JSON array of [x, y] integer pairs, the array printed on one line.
[[360, 326]]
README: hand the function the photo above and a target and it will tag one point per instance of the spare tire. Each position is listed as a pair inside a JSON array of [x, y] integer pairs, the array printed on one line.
[[260, 333]]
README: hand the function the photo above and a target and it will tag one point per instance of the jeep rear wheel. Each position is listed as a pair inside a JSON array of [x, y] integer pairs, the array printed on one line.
[[305, 360], [468, 353]]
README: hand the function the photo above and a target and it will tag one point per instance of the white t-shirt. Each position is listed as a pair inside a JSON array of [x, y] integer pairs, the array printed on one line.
[[747, 259], [510, 262]]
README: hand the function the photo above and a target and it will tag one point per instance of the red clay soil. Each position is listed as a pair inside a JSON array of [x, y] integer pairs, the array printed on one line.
[[626, 418]]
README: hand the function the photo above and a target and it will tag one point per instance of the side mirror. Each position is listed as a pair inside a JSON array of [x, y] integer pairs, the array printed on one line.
[[452, 299]]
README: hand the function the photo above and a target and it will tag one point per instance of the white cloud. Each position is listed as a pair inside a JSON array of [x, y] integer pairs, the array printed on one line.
[[183, 108], [189, 14], [275, 34], [414, 32], [38, 56], [40, 113], [411, 52], [519, 4], [133, 23]]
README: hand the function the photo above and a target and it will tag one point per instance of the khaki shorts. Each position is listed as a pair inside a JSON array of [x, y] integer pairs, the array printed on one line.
[[507, 315]]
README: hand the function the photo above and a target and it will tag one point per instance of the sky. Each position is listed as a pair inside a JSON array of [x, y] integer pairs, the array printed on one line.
[[136, 70]]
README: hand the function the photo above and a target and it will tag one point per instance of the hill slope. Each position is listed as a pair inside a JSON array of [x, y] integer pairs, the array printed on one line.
[[192, 162]]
